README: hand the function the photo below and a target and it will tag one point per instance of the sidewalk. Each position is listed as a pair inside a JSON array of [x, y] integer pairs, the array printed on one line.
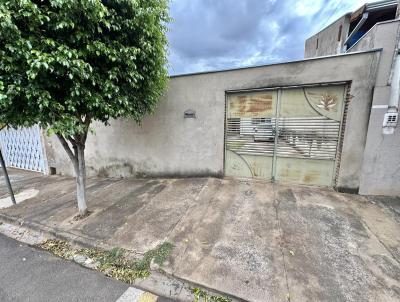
[[253, 240]]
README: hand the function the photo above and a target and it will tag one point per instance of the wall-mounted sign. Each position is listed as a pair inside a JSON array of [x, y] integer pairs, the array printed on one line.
[[189, 114]]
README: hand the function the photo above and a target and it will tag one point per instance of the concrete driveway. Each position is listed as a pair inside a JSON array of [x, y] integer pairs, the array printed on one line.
[[254, 240]]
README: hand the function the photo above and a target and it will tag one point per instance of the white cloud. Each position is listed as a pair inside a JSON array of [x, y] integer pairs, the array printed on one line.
[[224, 34], [307, 7]]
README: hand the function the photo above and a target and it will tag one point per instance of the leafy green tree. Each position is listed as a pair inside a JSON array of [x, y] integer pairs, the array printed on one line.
[[67, 63]]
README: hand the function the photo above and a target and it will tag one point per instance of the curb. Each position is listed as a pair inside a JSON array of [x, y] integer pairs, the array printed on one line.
[[159, 282], [55, 233]]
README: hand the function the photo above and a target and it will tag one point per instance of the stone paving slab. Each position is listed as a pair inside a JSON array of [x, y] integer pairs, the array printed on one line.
[[250, 239]]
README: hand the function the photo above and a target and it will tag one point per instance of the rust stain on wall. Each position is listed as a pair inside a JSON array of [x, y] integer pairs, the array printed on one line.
[[310, 177]]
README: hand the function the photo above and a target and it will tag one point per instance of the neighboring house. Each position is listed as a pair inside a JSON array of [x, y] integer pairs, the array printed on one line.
[[342, 34], [373, 26], [329, 120]]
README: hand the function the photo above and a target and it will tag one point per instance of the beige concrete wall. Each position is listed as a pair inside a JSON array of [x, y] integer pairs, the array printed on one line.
[[328, 43], [166, 144], [381, 161]]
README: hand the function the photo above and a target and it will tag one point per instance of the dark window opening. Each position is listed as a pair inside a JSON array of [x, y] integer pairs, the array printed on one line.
[[340, 33], [373, 18], [317, 43]]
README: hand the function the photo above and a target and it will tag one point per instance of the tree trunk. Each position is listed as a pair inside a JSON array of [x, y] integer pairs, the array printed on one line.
[[77, 156], [80, 171]]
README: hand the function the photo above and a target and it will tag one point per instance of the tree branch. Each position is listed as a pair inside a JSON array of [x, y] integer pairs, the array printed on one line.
[[87, 122], [74, 146], [71, 139], [64, 143]]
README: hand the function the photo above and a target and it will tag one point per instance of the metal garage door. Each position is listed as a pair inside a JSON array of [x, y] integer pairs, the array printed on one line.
[[289, 135]]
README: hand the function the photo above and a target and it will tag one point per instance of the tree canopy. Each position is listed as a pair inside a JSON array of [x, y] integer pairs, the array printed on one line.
[[65, 61]]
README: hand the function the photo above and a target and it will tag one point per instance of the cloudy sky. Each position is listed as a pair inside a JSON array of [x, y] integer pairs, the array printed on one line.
[[219, 34]]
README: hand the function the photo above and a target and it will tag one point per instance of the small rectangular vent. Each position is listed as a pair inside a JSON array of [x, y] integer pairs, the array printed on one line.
[[390, 119]]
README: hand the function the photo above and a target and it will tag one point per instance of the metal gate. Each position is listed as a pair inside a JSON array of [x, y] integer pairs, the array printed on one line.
[[288, 135], [22, 148]]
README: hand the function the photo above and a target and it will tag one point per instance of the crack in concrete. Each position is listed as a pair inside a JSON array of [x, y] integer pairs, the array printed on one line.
[[191, 206], [382, 243], [276, 206]]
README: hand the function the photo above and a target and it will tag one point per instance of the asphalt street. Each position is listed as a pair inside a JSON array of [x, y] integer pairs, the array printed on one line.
[[31, 274]]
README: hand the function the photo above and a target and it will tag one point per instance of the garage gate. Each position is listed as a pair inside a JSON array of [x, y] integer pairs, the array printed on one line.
[[288, 135], [23, 148]]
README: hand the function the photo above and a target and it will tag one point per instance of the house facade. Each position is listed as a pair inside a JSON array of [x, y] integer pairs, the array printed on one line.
[[372, 26], [328, 120]]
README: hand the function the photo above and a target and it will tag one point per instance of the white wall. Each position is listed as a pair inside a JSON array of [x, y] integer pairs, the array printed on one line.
[[381, 162], [168, 145]]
